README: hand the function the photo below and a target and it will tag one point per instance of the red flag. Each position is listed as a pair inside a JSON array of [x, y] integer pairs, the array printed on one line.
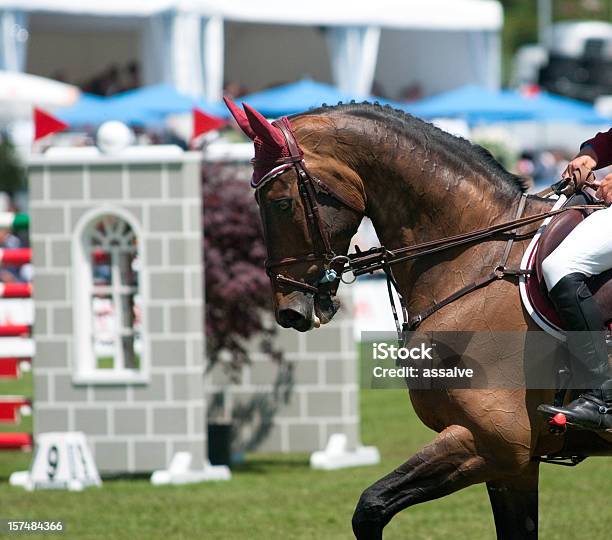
[[45, 124], [203, 123]]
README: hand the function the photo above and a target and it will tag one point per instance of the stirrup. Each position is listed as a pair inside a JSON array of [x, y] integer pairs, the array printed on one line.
[[558, 423]]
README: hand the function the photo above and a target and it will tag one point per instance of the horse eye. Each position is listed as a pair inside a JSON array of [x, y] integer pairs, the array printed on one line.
[[284, 205]]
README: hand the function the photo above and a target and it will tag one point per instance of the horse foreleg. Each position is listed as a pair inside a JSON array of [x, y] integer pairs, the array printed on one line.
[[515, 506], [448, 464]]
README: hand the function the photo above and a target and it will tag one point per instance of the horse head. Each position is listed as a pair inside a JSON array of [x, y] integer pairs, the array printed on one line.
[[308, 215]]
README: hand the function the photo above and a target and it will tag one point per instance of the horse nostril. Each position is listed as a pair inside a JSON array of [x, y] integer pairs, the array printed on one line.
[[288, 318]]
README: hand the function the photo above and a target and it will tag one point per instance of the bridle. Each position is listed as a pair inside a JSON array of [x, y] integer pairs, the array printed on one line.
[[308, 186], [379, 258]]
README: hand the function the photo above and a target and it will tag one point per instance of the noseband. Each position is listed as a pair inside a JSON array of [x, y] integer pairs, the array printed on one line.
[[308, 186]]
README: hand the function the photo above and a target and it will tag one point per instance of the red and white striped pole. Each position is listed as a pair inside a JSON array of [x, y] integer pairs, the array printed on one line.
[[15, 330], [15, 257], [15, 290]]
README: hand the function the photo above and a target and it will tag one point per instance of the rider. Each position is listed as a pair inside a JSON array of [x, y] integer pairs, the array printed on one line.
[[585, 252]]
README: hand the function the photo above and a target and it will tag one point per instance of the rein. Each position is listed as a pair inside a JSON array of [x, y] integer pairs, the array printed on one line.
[[380, 258]]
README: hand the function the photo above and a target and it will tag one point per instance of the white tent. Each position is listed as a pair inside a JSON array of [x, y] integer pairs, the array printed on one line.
[[20, 91], [195, 43]]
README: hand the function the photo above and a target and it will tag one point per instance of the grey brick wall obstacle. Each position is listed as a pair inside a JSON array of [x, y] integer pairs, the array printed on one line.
[[135, 426], [296, 406]]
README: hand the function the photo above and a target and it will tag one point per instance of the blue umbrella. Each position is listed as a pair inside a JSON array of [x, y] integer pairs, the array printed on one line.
[[93, 110], [88, 110], [299, 96], [145, 106], [161, 100], [553, 108], [478, 105], [474, 104]]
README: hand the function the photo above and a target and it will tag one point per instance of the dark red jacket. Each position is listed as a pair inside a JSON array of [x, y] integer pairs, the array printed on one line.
[[602, 144]]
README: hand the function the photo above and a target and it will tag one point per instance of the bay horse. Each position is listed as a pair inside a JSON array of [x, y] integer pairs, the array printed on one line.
[[332, 166]]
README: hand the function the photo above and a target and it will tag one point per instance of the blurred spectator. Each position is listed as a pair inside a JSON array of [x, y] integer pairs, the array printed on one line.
[[111, 83], [11, 274], [412, 92], [8, 240], [233, 90], [378, 90], [132, 76], [545, 167], [525, 165]]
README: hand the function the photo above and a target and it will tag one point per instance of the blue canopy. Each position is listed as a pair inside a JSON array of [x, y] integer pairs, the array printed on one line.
[[144, 106], [300, 96], [474, 104], [88, 110], [550, 107], [478, 105]]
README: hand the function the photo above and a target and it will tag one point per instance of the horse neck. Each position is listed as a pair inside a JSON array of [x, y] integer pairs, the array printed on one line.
[[416, 194]]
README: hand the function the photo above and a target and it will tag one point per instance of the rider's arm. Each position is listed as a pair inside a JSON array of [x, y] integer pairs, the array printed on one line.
[[600, 148]]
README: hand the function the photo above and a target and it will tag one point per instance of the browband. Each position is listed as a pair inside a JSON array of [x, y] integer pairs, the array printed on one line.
[[279, 169], [282, 163]]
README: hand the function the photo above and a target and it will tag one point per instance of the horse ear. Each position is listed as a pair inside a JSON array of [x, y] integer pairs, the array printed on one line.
[[240, 118], [264, 130]]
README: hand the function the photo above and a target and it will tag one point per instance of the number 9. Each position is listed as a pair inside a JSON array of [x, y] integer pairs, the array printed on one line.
[[52, 460]]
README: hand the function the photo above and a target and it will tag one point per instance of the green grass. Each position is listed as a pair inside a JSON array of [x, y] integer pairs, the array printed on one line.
[[108, 362], [17, 387], [279, 497]]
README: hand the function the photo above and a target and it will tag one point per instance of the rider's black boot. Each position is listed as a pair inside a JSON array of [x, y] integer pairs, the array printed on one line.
[[588, 355]]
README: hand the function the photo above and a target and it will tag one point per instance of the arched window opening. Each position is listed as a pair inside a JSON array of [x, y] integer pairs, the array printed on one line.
[[110, 340]]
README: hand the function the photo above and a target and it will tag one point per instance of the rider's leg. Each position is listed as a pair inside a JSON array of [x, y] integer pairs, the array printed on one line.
[[586, 251]]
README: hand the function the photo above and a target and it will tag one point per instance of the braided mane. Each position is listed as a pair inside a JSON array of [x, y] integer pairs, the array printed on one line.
[[461, 152]]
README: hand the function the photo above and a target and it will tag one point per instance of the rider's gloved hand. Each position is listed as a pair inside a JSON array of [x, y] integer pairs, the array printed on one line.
[[587, 159], [604, 189]]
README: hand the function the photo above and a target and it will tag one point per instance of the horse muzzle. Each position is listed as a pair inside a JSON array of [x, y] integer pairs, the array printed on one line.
[[296, 310]]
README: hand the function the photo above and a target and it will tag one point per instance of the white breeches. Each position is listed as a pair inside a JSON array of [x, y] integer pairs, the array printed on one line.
[[587, 249]]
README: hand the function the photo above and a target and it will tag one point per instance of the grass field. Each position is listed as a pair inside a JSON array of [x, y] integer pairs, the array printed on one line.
[[279, 497]]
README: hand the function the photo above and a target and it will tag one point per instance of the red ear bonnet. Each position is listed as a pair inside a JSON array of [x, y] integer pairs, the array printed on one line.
[[270, 136], [270, 144], [240, 118]]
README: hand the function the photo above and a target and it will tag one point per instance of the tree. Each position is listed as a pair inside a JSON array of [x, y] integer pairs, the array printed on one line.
[[12, 174], [238, 295]]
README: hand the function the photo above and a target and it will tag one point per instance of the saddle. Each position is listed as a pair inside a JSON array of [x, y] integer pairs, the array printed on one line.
[[538, 302]]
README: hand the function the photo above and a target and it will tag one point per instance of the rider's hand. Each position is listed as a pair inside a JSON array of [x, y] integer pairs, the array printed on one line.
[[586, 158], [604, 191]]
